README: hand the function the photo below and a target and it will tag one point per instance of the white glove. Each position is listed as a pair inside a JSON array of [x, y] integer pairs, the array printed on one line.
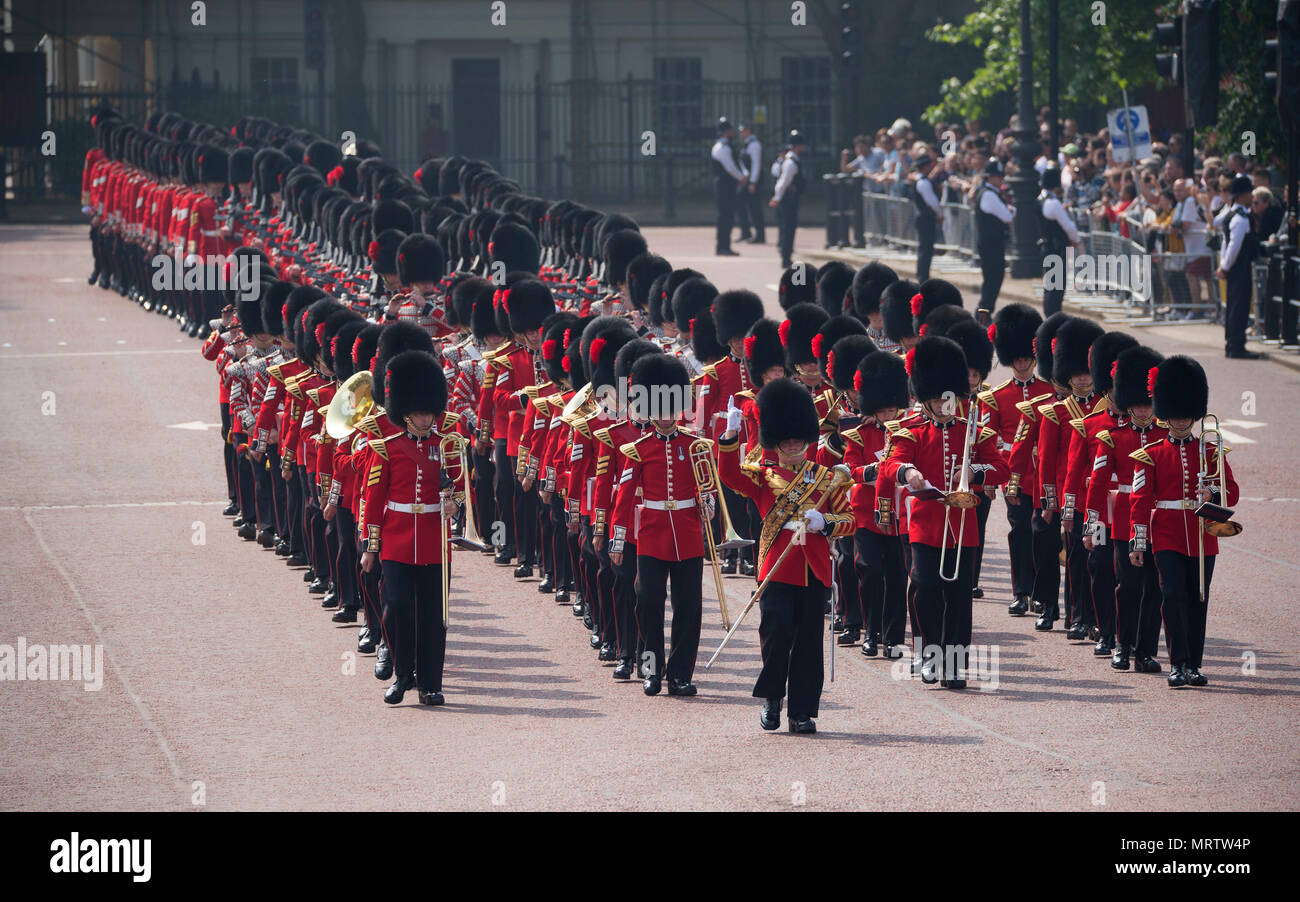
[[86, 210], [816, 522], [734, 416]]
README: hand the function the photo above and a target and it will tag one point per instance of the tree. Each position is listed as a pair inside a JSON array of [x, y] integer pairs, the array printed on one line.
[[1103, 47]]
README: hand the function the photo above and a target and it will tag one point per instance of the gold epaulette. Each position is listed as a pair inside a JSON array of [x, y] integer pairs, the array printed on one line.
[[1104, 437], [747, 394], [582, 423], [1142, 456], [532, 391], [630, 452], [450, 421], [542, 405], [902, 432], [274, 371], [1077, 423], [314, 394], [369, 424], [1027, 410], [603, 436], [711, 370], [988, 398], [1076, 412], [854, 435], [1049, 411], [986, 433], [499, 350], [378, 443]]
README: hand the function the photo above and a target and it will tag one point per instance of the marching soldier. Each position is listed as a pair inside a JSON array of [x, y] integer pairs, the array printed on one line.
[[804, 506], [1168, 487]]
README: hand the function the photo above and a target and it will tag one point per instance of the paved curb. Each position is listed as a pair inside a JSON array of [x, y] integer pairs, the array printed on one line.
[[1022, 291]]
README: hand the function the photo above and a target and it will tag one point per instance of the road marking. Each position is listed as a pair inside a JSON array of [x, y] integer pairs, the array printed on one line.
[[196, 425], [1244, 424], [147, 720], [1263, 557], [95, 353], [1233, 438]]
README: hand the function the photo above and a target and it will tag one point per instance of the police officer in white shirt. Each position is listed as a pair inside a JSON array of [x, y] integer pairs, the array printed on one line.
[[749, 207], [1059, 234], [928, 215], [992, 216], [727, 179], [1240, 247], [785, 197]]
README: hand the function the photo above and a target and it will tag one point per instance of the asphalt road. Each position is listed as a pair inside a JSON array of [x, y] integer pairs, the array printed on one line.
[[225, 686]]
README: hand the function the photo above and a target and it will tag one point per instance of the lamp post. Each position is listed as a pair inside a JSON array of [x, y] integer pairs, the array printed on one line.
[[1026, 262]]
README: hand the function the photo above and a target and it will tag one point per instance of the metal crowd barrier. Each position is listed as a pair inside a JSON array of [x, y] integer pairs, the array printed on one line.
[[891, 222]]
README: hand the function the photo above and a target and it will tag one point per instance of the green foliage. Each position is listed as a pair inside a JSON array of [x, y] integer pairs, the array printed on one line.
[[1096, 60], [1244, 103]]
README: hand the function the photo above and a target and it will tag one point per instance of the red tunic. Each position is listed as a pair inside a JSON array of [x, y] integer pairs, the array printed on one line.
[[1165, 473], [666, 522]]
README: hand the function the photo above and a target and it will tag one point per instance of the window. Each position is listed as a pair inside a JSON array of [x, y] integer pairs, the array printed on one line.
[[275, 74], [806, 98], [678, 89]]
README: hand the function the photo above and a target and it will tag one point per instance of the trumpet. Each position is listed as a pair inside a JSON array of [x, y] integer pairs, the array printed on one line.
[[706, 482], [1215, 519], [961, 498], [351, 404]]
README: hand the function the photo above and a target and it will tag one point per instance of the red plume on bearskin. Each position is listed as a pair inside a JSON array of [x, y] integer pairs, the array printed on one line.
[[491, 246], [993, 331], [830, 361], [334, 347], [1113, 367], [917, 300], [334, 175], [921, 332], [817, 345], [320, 333], [784, 332], [596, 347], [306, 160], [505, 301], [692, 325], [548, 349], [373, 360], [1055, 342], [284, 312], [749, 345], [1033, 343], [567, 364], [356, 346], [857, 381], [496, 299], [415, 175], [909, 360], [568, 337], [1151, 380], [373, 250]]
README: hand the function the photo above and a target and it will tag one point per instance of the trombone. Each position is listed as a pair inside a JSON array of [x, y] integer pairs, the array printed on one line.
[[470, 540], [961, 498], [706, 482], [1215, 519]]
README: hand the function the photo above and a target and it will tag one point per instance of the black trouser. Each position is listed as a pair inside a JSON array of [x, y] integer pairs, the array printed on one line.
[[1137, 603], [505, 489], [1101, 569], [993, 266], [605, 576], [563, 573], [981, 518], [927, 227], [413, 622], [882, 586], [372, 598], [1184, 612], [629, 642], [790, 633], [652, 577], [247, 494], [1046, 541], [545, 538], [724, 195], [346, 562], [749, 212], [849, 603], [1077, 585], [279, 491], [484, 471], [265, 493], [295, 502], [1020, 546], [95, 250], [787, 217], [1237, 311], [228, 452], [944, 608], [526, 523]]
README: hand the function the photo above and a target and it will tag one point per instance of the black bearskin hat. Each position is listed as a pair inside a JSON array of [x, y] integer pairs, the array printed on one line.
[[642, 270], [1180, 389], [763, 349], [415, 385], [834, 282], [1042, 344], [240, 167], [329, 330], [798, 286], [396, 338], [802, 323], [273, 302], [308, 336], [620, 248], [835, 328], [528, 302], [213, 164], [667, 383], [704, 340], [1070, 349], [937, 368], [572, 350], [344, 340], [482, 315], [365, 347], [691, 302], [1101, 357], [843, 358], [383, 251], [516, 247], [656, 300], [391, 214], [322, 156], [974, 341], [299, 299], [881, 382], [934, 293], [868, 283], [630, 353], [553, 347], [419, 259], [602, 339], [942, 319], [250, 318], [896, 309], [734, 313], [1130, 377], [786, 411], [1013, 331]]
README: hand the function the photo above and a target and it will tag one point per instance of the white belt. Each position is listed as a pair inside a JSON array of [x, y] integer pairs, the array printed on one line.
[[669, 505], [1186, 504], [1123, 489], [414, 508]]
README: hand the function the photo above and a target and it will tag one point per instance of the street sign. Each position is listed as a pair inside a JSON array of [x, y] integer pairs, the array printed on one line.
[[1137, 128]]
